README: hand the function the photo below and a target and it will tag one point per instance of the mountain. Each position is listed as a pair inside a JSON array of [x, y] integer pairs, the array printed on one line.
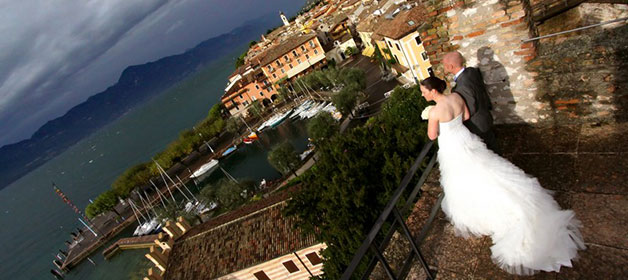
[[136, 85]]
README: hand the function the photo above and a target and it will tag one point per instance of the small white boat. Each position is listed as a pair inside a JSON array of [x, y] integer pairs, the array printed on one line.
[[280, 118], [304, 106], [204, 170]]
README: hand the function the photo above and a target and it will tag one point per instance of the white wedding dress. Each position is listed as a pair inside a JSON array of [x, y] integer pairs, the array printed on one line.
[[485, 194]]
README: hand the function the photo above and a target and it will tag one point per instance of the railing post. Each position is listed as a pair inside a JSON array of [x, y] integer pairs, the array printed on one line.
[[415, 248], [379, 256]]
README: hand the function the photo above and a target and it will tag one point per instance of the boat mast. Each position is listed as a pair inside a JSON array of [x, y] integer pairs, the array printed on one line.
[[165, 182], [158, 193], [172, 181], [186, 188]]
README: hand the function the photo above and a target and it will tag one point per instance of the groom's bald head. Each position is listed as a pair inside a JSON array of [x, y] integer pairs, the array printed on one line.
[[453, 62]]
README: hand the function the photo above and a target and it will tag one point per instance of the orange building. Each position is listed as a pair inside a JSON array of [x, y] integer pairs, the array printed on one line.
[[292, 58], [246, 85]]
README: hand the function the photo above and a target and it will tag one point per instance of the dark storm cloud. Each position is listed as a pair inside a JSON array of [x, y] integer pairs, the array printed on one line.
[[55, 54]]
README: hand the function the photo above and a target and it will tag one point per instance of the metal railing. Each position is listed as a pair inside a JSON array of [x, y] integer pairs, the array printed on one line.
[[395, 217]]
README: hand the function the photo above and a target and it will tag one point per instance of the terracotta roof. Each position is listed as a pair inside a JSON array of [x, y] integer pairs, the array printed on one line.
[[285, 47], [235, 241], [403, 23]]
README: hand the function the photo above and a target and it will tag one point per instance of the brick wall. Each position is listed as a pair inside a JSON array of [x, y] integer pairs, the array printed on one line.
[[526, 80], [583, 76]]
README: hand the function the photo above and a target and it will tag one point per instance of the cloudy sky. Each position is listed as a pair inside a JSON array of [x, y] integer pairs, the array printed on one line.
[[55, 54]]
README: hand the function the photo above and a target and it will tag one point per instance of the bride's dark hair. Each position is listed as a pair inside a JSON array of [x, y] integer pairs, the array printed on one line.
[[434, 83]]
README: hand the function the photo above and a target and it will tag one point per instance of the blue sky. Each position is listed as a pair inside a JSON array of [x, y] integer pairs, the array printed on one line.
[[55, 54]]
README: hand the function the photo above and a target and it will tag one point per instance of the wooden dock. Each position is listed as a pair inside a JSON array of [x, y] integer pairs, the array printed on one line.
[[139, 242]]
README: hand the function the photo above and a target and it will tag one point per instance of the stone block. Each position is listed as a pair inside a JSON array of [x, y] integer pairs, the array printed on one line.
[[604, 218], [597, 262], [606, 138], [554, 171], [603, 173]]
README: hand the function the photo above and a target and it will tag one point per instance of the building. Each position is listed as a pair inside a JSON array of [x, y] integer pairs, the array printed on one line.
[[292, 58], [397, 36], [253, 242], [337, 49], [246, 85]]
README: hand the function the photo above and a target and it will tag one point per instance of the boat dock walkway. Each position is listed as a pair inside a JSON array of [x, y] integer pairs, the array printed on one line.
[[136, 242]]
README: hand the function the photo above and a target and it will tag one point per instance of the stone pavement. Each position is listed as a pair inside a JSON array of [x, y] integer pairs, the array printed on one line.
[[586, 166]]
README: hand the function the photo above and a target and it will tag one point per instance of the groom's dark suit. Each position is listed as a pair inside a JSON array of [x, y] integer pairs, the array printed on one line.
[[470, 86]]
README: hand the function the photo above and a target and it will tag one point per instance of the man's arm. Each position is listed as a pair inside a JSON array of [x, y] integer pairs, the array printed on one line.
[[467, 94]]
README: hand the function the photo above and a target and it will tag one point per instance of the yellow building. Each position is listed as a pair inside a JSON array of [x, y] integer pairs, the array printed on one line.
[[398, 33]]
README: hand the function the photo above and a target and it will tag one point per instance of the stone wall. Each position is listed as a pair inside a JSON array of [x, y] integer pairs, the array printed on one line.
[[583, 76], [534, 82]]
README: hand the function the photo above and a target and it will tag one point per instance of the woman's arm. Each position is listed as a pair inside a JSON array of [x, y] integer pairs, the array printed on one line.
[[432, 125]]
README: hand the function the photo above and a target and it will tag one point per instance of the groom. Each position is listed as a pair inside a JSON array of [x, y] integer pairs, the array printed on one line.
[[470, 85]]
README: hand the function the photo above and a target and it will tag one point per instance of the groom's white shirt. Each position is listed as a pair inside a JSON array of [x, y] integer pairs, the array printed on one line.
[[458, 74]]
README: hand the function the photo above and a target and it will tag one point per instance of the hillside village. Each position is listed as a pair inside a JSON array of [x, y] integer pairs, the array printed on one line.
[[330, 32]]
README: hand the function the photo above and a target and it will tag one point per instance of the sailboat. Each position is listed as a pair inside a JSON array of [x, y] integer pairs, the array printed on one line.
[[204, 171]]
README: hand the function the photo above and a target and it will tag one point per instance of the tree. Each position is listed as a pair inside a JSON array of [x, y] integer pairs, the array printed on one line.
[[284, 158], [257, 108], [233, 125], [322, 127], [230, 194], [354, 77], [345, 100], [354, 177], [103, 203]]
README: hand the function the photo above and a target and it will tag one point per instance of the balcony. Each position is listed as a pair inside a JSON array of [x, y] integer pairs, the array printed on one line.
[[561, 158]]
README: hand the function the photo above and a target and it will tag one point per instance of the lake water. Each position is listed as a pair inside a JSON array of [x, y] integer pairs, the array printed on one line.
[[35, 222]]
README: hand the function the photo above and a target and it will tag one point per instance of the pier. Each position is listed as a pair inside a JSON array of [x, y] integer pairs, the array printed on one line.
[[139, 242]]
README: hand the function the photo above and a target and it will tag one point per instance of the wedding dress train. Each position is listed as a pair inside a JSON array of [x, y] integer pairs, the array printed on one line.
[[485, 194]]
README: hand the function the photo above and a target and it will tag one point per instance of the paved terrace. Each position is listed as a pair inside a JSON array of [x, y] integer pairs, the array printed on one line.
[[585, 165]]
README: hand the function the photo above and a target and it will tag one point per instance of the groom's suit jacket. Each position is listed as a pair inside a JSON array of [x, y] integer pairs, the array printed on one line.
[[470, 86]]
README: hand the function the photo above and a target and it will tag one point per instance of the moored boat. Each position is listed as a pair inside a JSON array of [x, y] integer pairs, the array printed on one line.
[[205, 170]]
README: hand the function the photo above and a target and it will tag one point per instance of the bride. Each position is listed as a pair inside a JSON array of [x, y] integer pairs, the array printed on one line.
[[487, 195]]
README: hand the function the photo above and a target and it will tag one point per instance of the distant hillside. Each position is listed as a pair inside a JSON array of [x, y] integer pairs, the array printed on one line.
[[136, 85]]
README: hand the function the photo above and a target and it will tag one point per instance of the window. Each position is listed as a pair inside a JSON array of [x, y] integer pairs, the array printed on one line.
[[315, 52], [430, 71], [314, 258], [307, 56], [254, 98], [312, 44], [290, 266], [283, 71], [389, 44], [256, 87], [298, 61], [397, 45], [240, 96], [290, 65], [274, 76], [295, 53], [396, 59], [424, 56], [303, 48], [260, 275], [268, 89], [418, 40], [261, 93], [270, 68], [285, 57], [278, 63]]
